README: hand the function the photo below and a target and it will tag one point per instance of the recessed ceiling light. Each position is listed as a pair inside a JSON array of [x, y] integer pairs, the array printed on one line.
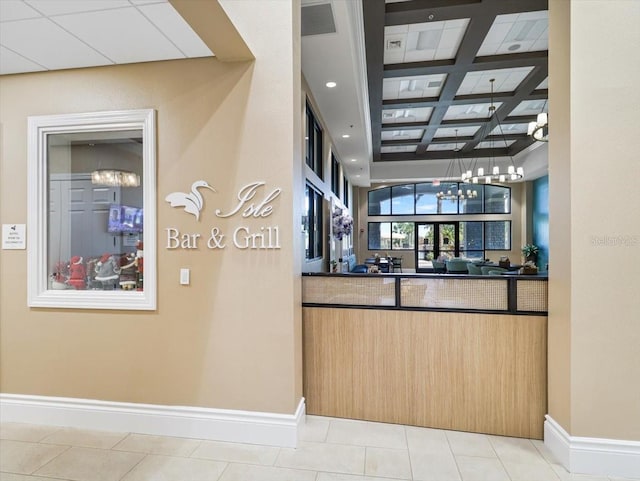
[[346, 136], [331, 84], [354, 160], [357, 175]]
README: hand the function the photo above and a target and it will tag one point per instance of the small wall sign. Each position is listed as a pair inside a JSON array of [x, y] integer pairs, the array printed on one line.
[[14, 236]]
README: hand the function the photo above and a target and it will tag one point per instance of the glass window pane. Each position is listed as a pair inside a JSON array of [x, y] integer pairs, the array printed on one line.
[[471, 236], [380, 201], [497, 199], [96, 221], [308, 199], [428, 203], [402, 199], [497, 235], [473, 202], [379, 235], [402, 235]]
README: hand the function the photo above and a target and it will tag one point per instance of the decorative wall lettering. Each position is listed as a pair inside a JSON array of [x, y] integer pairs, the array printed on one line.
[[193, 201], [249, 205], [248, 192]]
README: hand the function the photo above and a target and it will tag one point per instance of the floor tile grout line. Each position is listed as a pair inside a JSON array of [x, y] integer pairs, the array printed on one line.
[[406, 440], [51, 460], [133, 467], [455, 460], [227, 464], [504, 468]]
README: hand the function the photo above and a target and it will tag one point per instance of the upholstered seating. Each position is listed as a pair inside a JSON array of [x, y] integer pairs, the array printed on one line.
[[360, 269], [474, 269], [492, 270], [439, 267], [456, 266]]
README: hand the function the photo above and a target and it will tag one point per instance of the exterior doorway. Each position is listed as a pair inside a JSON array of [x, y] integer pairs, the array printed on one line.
[[435, 239]]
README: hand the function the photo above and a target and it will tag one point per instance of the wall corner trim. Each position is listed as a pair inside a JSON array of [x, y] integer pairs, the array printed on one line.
[[594, 456], [250, 427]]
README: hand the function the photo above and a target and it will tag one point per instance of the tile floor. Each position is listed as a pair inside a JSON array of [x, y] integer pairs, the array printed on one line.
[[330, 450]]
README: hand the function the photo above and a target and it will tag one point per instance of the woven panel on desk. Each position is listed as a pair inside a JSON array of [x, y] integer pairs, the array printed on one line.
[[349, 290], [483, 294], [532, 295]]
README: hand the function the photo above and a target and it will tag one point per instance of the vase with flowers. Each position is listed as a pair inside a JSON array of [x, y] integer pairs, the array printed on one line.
[[342, 223]]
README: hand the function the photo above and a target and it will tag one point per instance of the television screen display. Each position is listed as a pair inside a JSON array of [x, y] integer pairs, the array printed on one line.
[[125, 219]]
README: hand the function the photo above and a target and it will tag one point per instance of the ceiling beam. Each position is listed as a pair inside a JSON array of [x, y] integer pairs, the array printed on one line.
[[491, 62]]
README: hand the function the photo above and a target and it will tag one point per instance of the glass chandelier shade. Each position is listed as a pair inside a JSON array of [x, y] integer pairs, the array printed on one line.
[[115, 178], [539, 129], [492, 172]]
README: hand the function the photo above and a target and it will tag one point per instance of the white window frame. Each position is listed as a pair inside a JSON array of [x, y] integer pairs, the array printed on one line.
[[39, 128]]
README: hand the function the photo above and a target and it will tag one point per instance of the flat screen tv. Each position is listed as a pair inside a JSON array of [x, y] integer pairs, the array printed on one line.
[[125, 219]]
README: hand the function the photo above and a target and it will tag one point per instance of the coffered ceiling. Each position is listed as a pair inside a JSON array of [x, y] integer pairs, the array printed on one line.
[[429, 65]]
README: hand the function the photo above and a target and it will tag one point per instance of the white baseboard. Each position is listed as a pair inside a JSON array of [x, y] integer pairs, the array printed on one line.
[[181, 421], [595, 456]]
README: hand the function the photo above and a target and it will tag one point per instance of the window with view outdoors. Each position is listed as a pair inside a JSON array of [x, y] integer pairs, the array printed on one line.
[[313, 143], [91, 194], [335, 175], [391, 236], [312, 223], [345, 192], [425, 199]]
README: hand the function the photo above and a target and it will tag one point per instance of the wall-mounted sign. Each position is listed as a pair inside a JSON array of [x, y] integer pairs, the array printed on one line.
[[14, 236], [252, 201]]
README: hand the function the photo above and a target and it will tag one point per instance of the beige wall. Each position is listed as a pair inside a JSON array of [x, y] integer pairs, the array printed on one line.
[[594, 334], [233, 338]]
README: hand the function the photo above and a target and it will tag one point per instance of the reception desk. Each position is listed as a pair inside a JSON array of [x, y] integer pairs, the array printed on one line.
[[451, 352]]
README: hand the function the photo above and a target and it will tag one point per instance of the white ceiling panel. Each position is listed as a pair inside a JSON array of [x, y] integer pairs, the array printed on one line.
[[11, 62], [389, 149], [114, 32], [147, 2], [63, 7], [45, 43], [530, 107], [472, 111], [164, 16], [408, 134], [412, 87], [451, 146], [509, 129], [395, 116], [494, 144], [11, 10], [544, 84], [462, 131], [506, 80], [423, 41], [524, 32]]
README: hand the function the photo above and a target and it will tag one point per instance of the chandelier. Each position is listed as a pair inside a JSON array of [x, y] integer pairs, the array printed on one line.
[[539, 129], [115, 178], [455, 165], [493, 171]]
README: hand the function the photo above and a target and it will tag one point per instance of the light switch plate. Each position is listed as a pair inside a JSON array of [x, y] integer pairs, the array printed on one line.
[[184, 277]]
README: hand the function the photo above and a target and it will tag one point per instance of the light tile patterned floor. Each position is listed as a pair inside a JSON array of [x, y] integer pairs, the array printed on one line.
[[330, 450]]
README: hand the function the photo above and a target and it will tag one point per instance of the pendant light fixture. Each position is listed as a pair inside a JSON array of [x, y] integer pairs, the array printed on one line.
[[539, 129], [493, 172], [455, 169], [115, 178]]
